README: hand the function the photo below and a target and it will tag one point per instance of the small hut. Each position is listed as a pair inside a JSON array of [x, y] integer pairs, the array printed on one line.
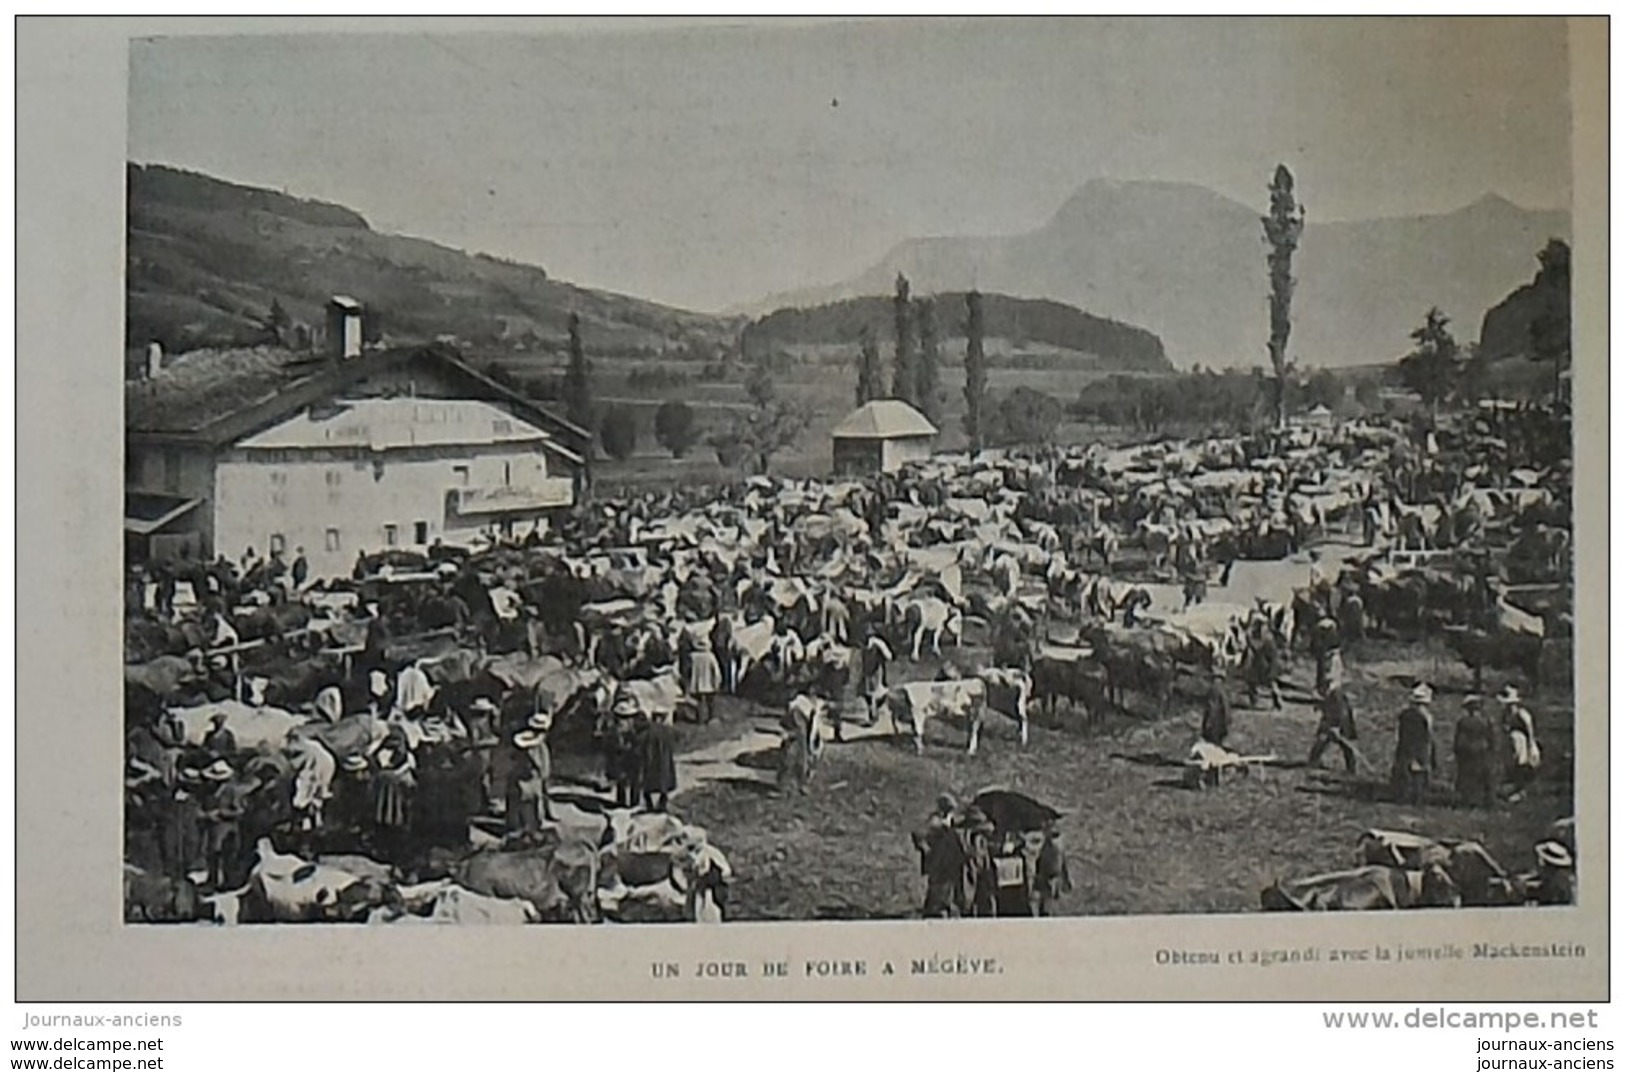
[[881, 437]]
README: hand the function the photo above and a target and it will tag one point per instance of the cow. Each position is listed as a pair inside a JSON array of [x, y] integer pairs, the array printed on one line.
[[152, 898], [931, 616], [286, 889], [1009, 691], [920, 701], [1068, 677], [1374, 887], [455, 905]]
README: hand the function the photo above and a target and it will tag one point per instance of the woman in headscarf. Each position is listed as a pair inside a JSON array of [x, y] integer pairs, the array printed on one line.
[[394, 790]]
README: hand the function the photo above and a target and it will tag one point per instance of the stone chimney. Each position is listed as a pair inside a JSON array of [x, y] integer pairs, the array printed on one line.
[[343, 327], [155, 359]]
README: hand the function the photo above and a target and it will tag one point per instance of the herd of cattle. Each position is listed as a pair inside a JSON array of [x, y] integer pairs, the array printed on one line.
[[1028, 581]]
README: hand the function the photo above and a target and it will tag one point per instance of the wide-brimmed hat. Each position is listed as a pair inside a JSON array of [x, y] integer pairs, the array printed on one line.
[[1422, 694], [484, 704], [702, 643], [541, 722], [1553, 854], [218, 771], [354, 763], [1510, 694], [946, 802], [1473, 702], [527, 739], [189, 776]]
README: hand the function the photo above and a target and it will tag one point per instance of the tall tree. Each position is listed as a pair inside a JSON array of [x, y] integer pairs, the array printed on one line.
[[870, 375], [1550, 336], [902, 376], [772, 425], [578, 401], [1283, 228], [1433, 369], [975, 372], [927, 365]]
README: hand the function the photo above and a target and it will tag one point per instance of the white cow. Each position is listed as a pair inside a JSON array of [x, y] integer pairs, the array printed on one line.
[[930, 616], [920, 701]]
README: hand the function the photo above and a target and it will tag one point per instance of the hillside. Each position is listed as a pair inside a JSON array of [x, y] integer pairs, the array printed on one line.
[[205, 260], [1033, 333], [1188, 265]]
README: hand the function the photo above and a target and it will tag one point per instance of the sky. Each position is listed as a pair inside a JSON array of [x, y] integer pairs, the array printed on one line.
[[707, 167]]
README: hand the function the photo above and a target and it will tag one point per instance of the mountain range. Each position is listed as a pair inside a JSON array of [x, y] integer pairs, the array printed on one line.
[[1188, 264], [206, 261]]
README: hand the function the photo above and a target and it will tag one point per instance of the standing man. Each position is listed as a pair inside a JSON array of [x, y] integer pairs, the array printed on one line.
[[1328, 656], [222, 815], [1216, 709], [1336, 726], [659, 763], [1474, 749], [220, 741], [301, 568], [1415, 756], [1052, 878], [1263, 663], [942, 862], [1519, 726], [704, 678]]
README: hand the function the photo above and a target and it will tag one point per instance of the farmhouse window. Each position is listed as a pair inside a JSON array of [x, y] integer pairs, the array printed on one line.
[[392, 536], [420, 532], [333, 539]]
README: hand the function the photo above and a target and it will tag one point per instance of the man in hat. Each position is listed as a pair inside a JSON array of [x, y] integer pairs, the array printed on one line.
[[528, 773], [942, 861], [1336, 726], [222, 808], [1554, 880], [1263, 669], [1416, 758], [181, 835], [219, 742], [1519, 726], [978, 832], [351, 808], [704, 678], [1051, 877], [659, 763], [1474, 750], [1328, 654], [301, 568], [1216, 709]]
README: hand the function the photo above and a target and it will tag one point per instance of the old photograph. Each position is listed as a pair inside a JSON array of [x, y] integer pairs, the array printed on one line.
[[863, 471]]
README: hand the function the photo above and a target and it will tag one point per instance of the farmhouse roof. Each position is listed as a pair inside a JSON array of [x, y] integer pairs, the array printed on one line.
[[219, 396], [884, 418]]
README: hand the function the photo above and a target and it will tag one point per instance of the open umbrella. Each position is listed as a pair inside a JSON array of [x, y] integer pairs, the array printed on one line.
[[1010, 811]]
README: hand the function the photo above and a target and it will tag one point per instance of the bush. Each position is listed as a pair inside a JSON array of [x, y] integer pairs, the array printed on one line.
[[618, 432], [674, 427], [1024, 416]]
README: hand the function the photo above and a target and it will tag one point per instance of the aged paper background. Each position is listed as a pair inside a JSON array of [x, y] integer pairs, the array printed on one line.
[[72, 946]]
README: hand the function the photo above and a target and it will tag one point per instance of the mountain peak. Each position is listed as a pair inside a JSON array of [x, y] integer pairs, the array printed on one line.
[[1142, 195]]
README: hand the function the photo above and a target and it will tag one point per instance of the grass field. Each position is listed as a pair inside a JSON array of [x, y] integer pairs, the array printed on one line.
[[1138, 841]]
